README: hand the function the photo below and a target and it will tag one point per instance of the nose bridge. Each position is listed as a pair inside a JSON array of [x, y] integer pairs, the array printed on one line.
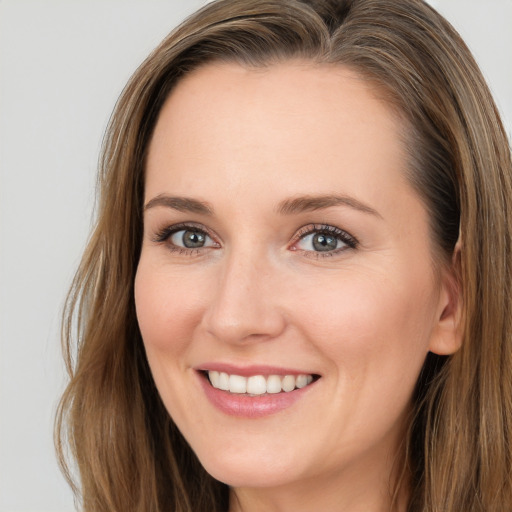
[[244, 306]]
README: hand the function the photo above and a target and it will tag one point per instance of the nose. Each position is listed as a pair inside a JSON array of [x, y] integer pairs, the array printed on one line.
[[244, 306]]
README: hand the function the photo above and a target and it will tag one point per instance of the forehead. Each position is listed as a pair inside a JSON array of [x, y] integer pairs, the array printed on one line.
[[296, 126]]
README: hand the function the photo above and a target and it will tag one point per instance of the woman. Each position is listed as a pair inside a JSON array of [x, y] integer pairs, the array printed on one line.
[[297, 294]]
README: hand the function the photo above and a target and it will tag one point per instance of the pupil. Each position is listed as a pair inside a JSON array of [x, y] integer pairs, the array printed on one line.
[[322, 242], [192, 239]]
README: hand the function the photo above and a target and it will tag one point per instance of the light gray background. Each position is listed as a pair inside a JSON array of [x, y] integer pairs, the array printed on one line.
[[62, 66]]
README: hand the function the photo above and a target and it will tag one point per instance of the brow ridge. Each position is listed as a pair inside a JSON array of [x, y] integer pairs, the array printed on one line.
[[311, 203], [290, 206], [182, 204]]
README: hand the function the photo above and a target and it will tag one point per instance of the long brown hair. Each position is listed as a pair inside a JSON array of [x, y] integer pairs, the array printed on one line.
[[458, 453]]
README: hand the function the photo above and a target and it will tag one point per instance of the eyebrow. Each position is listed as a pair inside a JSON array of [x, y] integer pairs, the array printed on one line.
[[287, 207], [312, 203], [182, 204]]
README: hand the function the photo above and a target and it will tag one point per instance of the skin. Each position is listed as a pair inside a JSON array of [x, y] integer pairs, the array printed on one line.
[[363, 318]]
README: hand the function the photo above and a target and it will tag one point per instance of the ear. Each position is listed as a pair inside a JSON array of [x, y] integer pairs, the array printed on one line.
[[448, 332]]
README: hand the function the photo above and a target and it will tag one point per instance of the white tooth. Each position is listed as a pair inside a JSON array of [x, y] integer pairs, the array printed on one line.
[[237, 384], [223, 381], [274, 384], [256, 385], [288, 383], [310, 379], [214, 378], [302, 381]]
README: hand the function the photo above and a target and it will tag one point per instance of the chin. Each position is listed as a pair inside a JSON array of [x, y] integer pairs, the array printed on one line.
[[249, 477], [250, 472]]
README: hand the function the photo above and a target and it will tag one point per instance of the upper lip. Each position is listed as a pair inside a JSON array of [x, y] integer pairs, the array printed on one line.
[[249, 370]]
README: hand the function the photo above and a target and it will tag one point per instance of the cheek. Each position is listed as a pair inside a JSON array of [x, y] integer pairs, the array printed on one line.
[[168, 312], [374, 332], [167, 308], [373, 329]]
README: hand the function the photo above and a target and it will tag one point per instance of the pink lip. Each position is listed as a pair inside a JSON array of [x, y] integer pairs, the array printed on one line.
[[246, 406]]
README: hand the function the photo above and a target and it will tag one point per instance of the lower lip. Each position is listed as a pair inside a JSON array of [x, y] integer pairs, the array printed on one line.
[[246, 406]]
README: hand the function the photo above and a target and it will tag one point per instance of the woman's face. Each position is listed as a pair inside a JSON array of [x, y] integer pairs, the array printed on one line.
[[285, 249]]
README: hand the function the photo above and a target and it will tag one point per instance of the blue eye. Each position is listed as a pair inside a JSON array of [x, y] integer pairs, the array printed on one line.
[[320, 242], [324, 239], [185, 238], [191, 239]]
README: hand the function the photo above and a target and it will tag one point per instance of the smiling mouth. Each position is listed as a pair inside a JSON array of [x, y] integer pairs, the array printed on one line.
[[257, 385]]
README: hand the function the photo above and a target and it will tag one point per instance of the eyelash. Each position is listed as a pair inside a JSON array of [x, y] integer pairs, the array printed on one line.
[[163, 236], [348, 240]]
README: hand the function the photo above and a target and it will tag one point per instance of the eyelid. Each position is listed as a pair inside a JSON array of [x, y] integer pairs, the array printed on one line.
[[348, 239], [162, 235]]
